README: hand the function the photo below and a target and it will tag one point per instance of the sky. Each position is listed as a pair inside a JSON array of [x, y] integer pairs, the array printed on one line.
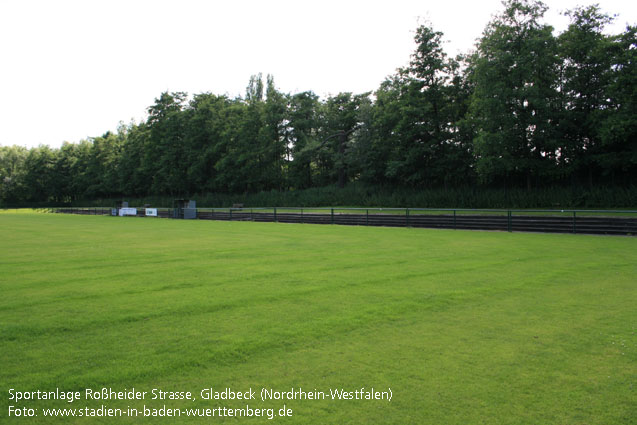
[[70, 70]]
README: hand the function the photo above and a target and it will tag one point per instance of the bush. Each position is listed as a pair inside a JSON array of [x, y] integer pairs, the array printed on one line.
[[383, 196]]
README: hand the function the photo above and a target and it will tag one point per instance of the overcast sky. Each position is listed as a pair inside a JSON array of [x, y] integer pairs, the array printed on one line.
[[74, 69]]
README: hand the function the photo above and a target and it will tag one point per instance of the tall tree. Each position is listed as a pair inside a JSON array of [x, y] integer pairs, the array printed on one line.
[[39, 175], [514, 72], [585, 76], [303, 138], [12, 170], [418, 113], [275, 136], [102, 168], [165, 157], [205, 140], [252, 141], [134, 178], [64, 173], [340, 122], [617, 155]]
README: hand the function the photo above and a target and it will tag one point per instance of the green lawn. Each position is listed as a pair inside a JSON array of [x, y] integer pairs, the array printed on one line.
[[463, 327]]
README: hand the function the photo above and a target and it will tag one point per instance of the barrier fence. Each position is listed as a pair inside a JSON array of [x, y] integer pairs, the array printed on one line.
[[611, 222]]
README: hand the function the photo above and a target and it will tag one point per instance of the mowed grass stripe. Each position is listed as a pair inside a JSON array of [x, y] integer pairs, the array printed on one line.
[[488, 323]]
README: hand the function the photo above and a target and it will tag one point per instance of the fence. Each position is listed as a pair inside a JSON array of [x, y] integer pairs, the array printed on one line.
[[610, 222]]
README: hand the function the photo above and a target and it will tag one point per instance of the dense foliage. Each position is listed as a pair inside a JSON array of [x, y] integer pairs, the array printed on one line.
[[526, 110]]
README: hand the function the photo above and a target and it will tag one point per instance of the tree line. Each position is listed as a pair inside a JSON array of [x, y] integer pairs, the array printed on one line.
[[526, 109]]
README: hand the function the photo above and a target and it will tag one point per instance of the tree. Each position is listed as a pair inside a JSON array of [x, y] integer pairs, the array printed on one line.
[[303, 132], [513, 105], [235, 169], [39, 174], [340, 122], [206, 141], [67, 157], [164, 159], [102, 168], [585, 77], [12, 169], [134, 178], [618, 132], [275, 136], [362, 160], [251, 140], [418, 114]]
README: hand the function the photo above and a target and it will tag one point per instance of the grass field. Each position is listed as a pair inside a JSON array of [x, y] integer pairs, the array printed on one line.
[[463, 327]]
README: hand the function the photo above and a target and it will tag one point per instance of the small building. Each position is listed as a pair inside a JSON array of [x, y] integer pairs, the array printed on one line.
[[184, 208]]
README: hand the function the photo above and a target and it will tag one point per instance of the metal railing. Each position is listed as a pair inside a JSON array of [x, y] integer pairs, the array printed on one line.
[[619, 222]]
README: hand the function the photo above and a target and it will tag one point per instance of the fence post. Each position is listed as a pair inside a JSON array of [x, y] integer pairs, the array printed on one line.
[[509, 220], [275, 214], [301, 215], [332, 215], [230, 214], [574, 220], [407, 216], [454, 219], [367, 218]]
